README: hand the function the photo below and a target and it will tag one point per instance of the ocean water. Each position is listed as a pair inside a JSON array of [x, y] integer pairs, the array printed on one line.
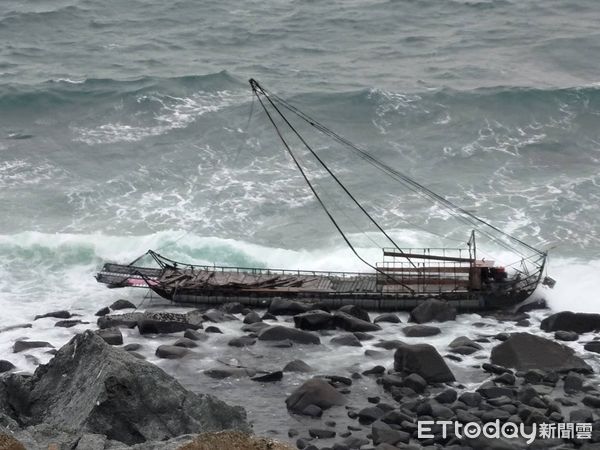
[[126, 126]]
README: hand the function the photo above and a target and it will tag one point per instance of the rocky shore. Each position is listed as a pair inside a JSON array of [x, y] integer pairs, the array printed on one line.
[[300, 373]]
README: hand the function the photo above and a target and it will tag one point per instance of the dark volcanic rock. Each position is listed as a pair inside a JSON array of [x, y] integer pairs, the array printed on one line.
[[269, 377], [464, 341], [171, 351], [252, 317], [424, 360], [217, 316], [389, 317], [561, 335], [389, 345], [420, 331], [195, 335], [348, 340], [68, 323], [433, 310], [122, 304], [5, 366], [530, 305], [570, 321], [213, 329], [348, 322], [314, 320], [230, 372], [110, 392], [524, 351], [242, 341], [56, 314], [232, 307], [592, 346], [104, 311], [281, 306], [111, 336], [279, 332], [255, 327], [185, 343], [315, 391], [19, 346], [321, 433], [356, 311], [297, 365], [370, 414]]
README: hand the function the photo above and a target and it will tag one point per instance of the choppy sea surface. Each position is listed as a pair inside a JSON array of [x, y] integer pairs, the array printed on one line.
[[126, 126]]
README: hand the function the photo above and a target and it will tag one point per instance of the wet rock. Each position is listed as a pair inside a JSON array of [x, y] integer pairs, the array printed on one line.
[[472, 399], [268, 316], [361, 336], [232, 308], [217, 316], [6, 366], [433, 310], [591, 401], [280, 306], [319, 433], [375, 354], [213, 329], [104, 311], [581, 415], [464, 341], [230, 372], [453, 358], [389, 345], [524, 351], [592, 346], [356, 311], [570, 321], [420, 331], [297, 365], [122, 304], [255, 327], [132, 347], [195, 335], [416, 382], [269, 377], [424, 360], [382, 433], [523, 323], [389, 318], [19, 346], [55, 314], [126, 320], [111, 336], [314, 320], [489, 390], [315, 391], [493, 368], [566, 336], [446, 396], [573, 383], [185, 343], [286, 343], [376, 370], [278, 333], [129, 400], [347, 340], [68, 323], [370, 414], [242, 341], [506, 378], [350, 323], [312, 411], [465, 350], [171, 352], [252, 317]]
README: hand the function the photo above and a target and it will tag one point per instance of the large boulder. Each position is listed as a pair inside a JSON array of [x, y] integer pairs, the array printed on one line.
[[315, 391], [570, 321], [314, 320], [348, 322], [433, 310], [280, 333], [524, 351], [282, 306], [110, 392], [356, 311], [424, 360]]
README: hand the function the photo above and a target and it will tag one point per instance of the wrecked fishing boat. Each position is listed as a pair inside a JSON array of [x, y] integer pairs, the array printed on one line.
[[402, 278]]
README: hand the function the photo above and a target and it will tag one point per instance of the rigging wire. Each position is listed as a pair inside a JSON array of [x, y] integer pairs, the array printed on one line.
[[408, 182]]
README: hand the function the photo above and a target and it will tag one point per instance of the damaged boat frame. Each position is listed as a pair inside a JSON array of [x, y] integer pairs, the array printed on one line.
[[402, 279]]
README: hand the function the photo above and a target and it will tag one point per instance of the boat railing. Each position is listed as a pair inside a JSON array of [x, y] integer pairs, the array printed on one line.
[[284, 272]]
